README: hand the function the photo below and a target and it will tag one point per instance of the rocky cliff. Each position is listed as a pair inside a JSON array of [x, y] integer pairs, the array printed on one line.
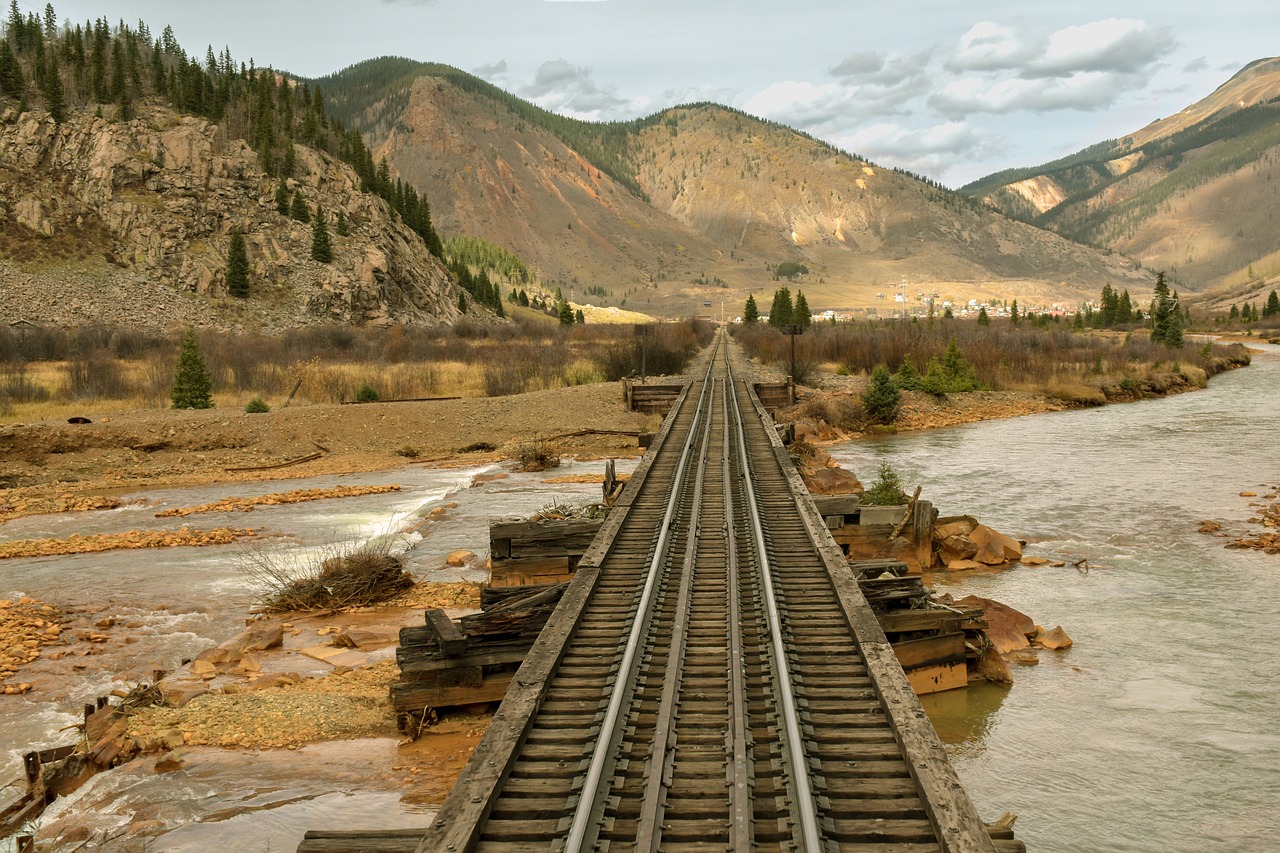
[[94, 211]]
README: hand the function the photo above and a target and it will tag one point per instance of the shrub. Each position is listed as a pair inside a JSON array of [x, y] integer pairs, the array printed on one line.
[[882, 399], [256, 406], [367, 394], [344, 576], [887, 489], [537, 456]]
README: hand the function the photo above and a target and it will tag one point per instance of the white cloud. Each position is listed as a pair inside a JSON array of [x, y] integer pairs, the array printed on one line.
[[933, 150], [988, 46], [1084, 91], [1117, 45]]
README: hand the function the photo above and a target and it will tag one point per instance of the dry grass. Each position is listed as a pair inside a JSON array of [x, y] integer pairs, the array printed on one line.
[[53, 374]]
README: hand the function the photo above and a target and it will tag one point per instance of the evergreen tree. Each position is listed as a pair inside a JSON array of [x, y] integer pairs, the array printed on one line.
[[1014, 316], [282, 198], [342, 228], [1235, 313], [321, 247], [750, 313], [462, 302], [192, 382], [51, 88], [12, 81], [908, 378], [578, 318], [565, 313], [800, 313], [1124, 312], [781, 312], [237, 266], [882, 399], [524, 299], [1272, 308], [298, 208], [983, 319], [1166, 319]]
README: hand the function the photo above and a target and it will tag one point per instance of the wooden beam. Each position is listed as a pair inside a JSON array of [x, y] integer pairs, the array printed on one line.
[[451, 640]]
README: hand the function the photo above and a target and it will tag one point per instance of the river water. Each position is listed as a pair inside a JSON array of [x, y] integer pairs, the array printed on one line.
[[1159, 730], [180, 601]]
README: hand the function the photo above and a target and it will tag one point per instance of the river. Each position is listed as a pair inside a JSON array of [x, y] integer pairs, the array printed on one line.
[[1159, 730]]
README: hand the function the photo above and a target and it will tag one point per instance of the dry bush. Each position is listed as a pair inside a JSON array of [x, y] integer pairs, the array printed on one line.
[[839, 410], [537, 455], [355, 575]]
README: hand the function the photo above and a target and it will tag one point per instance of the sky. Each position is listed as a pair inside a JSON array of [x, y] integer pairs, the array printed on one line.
[[950, 90]]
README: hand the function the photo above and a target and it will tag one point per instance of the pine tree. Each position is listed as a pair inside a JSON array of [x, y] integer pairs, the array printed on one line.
[[54, 99], [462, 302], [1272, 308], [298, 208], [983, 319], [1014, 316], [1166, 319], [579, 318], [750, 313], [321, 247], [282, 198], [882, 399], [781, 312], [12, 82], [192, 382], [341, 228], [565, 313], [800, 314], [237, 266]]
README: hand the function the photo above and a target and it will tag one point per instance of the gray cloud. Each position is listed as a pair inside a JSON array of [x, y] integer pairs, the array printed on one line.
[[1119, 46], [931, 150], [564, 88], [1196, 65]]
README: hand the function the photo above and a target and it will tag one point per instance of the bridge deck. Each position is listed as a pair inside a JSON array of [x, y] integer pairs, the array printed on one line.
[[712, 679]]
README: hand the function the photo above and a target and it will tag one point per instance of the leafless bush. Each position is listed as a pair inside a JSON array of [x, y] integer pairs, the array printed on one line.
[[537, 455], [353, 575]]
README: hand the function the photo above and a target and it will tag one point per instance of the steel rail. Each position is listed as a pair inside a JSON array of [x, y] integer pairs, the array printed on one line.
[[741, 827], [658, 779], [810, 838], [582, 821]]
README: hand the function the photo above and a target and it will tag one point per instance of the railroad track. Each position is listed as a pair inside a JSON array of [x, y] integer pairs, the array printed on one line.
[[712, 680]]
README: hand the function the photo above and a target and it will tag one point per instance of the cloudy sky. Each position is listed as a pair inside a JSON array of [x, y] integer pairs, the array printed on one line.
[[952, 90]]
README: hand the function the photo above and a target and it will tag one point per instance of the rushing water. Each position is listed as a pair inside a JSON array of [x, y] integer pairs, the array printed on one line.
[[179, 601], [1159, 730]]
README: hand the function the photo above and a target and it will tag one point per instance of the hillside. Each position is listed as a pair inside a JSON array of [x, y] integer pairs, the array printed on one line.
[[696, 204], [119, 193], [1191, 194]]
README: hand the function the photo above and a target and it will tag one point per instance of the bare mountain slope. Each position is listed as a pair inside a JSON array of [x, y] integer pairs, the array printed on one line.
[[90, 205], [696, 204], [1192, 194]]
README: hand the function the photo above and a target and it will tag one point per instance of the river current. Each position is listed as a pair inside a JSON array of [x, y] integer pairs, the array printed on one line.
[[1159, 730]]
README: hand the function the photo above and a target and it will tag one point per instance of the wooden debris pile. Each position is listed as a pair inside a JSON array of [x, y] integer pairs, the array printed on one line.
[[933, 643], [446, 664]]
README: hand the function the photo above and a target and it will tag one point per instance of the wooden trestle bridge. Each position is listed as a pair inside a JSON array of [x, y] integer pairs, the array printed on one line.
[[712, 680]]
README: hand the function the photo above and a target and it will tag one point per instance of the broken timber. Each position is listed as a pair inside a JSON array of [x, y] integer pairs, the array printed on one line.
[[445, 664], [525, 552]]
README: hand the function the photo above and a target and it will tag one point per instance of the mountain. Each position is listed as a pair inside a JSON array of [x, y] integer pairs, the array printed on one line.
[[1193, 194], [125, 169], [696, 204]]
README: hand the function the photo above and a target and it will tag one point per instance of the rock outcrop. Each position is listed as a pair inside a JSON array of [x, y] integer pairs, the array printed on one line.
[[152, 201]]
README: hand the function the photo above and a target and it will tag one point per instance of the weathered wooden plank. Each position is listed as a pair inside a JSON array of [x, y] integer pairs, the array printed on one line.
[[938, 677], [903, 621], [369, 841], [416, 666], [410, 696], [837, 504], [944, 648], [447, 634]]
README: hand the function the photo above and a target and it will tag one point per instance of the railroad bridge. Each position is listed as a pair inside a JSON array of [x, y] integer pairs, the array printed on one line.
[[712, 680]]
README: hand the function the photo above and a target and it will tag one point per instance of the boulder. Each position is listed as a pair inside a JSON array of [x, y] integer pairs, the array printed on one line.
[[1034, 561], [832, 481], [459, 558], [266, 634], [956, 547], [371, 637], [1053, 639], [1007, 628], [991, 667], [963, 565], [179, 693], [994, 548], [961, 525]]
